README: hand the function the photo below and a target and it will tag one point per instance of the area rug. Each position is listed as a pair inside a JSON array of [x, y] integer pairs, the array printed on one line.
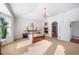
[[23, 44], [38, 48], [60, 50]]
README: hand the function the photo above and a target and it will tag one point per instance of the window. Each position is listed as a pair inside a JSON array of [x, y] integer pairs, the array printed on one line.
[[5, 26]]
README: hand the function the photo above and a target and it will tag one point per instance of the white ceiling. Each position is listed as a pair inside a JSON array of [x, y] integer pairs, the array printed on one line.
[[35, 10]]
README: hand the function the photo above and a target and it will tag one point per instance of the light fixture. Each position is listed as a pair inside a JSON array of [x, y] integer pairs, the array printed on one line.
[[45, 13]]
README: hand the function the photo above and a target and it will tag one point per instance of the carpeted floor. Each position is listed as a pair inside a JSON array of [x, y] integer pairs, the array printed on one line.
[[57, 47]]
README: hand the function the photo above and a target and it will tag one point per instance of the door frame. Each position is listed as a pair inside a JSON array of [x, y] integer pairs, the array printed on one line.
[[56, 24]]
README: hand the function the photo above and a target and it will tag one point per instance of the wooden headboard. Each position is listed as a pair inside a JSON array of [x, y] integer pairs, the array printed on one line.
[[32, 29]]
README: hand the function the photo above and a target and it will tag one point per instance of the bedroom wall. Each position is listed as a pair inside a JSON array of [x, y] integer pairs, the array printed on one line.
[[64, 20], [71, 16], [21, 25]]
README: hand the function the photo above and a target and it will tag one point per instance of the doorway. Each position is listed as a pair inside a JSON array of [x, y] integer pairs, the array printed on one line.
[[54, 29], [74, 26]]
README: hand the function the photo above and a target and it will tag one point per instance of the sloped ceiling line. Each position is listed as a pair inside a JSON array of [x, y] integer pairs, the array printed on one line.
[[10, 10]]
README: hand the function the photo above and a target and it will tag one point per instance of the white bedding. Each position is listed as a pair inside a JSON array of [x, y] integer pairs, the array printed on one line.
[[38, 35]]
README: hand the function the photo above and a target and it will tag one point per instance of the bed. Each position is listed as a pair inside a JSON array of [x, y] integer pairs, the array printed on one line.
[[37, 37], [35, 34]]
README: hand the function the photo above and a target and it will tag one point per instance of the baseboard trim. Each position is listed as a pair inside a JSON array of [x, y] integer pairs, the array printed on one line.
[[74, 40]]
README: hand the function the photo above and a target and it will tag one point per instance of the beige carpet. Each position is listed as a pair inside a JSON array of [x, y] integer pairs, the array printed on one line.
[[38, 48], [23, 44], [50, 46]]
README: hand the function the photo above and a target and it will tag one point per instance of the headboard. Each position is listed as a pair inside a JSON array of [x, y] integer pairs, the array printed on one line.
[[32, 28]]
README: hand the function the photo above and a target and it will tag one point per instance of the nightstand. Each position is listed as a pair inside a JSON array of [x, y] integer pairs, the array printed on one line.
[[25, 35]]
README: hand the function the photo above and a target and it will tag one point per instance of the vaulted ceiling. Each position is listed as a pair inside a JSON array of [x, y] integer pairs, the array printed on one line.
[[35, 10]]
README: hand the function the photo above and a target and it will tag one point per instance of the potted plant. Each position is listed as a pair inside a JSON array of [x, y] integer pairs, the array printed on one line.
[[3, 28]]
